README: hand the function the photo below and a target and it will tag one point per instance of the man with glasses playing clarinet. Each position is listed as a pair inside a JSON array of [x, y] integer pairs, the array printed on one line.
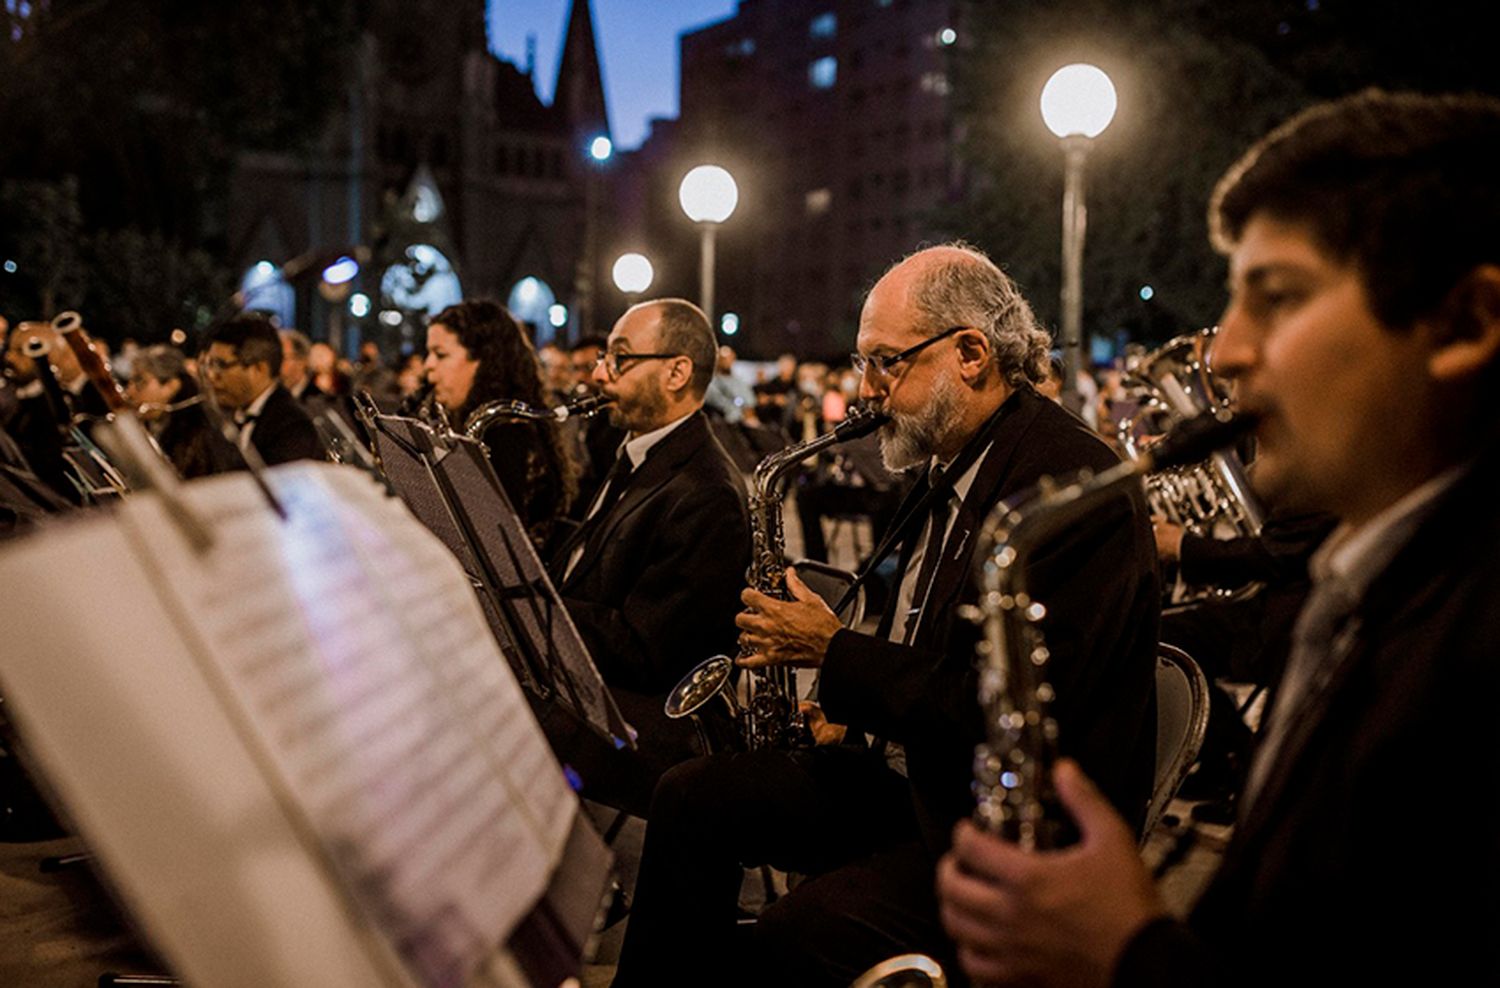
[[950, 351], [653, 574]]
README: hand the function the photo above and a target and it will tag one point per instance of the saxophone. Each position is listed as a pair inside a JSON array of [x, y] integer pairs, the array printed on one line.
[[769, 717], [486, 415], [1013, 793], [1012, 767]]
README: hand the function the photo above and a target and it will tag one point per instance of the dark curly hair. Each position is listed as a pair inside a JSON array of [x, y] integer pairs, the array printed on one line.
[[509, 371]]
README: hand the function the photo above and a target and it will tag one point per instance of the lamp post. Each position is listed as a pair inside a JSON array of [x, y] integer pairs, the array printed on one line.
[[708, 196], [335, 285], [1078, 102], [599, 152], [632, 274]]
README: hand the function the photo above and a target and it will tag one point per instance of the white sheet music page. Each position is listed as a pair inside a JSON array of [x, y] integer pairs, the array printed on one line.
[[350, 639]]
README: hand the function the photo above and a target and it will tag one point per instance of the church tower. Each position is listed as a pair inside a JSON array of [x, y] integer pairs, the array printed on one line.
[[579, 93]]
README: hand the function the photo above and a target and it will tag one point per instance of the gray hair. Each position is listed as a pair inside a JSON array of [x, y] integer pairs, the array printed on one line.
[[301, 345], [160, 361], [970, 290]]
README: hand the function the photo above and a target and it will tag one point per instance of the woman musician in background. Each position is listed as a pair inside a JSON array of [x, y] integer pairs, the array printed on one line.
[[477, 353], [167, 397]]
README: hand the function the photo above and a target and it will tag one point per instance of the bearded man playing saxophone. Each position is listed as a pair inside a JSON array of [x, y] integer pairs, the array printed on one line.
[[948, 349]]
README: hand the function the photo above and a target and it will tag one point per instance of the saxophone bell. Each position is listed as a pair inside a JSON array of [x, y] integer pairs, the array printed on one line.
[[769, 717]]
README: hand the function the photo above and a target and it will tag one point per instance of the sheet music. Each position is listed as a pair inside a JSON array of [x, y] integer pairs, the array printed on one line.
[[352, 640]]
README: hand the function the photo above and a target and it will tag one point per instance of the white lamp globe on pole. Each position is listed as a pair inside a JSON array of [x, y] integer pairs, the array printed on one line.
[[1078, 102], [708, 196], [632, 273]]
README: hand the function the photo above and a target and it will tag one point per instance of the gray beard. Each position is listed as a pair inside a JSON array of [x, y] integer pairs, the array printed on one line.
[[913, 440]]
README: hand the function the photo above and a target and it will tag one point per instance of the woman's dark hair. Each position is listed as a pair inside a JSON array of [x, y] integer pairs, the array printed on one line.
[[508, 371], [188, 439]]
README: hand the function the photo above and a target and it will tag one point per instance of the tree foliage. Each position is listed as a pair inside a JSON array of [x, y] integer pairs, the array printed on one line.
[[1197, 83], [143, 106]]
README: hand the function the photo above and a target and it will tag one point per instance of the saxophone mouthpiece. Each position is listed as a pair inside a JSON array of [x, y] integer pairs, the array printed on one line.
[[1196, 439], [860, 422], [583, 407]]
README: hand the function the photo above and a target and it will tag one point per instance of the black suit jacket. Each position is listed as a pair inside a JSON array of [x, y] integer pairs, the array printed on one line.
[[1372, 853], [657, 588], [1101, 591], [284, 431]]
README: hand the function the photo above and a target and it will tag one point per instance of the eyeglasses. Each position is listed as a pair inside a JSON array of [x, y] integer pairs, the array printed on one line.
[[882, 364], [612, 361], [217, 365]]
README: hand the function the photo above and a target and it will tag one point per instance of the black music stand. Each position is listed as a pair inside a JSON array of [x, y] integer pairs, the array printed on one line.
[[452, 489]]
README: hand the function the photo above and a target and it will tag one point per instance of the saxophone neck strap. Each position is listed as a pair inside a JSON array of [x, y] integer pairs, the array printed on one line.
[[918, 507]]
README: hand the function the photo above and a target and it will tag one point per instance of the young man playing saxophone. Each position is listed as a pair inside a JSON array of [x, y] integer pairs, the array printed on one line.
[[1363, 329]]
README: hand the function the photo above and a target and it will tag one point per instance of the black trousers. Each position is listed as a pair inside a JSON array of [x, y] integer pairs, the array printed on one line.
[[837, 814]]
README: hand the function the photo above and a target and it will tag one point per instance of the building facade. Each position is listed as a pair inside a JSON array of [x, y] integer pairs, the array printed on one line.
[[835, 118], [442, 172]]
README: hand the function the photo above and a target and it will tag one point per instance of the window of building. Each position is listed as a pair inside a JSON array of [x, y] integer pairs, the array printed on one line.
[[265, 290], [935, 83], [824, 25], [422, 281], [823, 72]]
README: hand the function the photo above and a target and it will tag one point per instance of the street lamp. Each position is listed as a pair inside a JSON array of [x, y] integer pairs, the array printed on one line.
[[632, 273], [598, 154], [1078, 102], [708, 196], [335, 285]]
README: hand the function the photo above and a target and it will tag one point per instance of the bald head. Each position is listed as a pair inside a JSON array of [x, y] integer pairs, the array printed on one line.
[[683, 328], [958, 285]]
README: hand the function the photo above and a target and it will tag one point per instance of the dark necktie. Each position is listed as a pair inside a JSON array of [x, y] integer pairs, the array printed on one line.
[[932, 552], [615, 483]]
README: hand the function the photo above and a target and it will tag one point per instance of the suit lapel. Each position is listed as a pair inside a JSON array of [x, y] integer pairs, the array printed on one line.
[[1003, 436], [661, 463], [1390, 603]]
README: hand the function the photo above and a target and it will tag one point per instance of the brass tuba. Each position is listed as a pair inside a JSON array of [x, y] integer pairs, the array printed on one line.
[[1209, 499], [769, 717]]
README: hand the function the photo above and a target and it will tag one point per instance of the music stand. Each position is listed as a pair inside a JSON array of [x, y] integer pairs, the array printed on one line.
[[451, 487]]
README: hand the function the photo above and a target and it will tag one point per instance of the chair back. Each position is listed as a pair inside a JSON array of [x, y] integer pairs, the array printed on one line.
[[1181, 720]]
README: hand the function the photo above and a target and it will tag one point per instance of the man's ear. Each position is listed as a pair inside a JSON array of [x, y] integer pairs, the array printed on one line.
[[680, 376], [1468, 338], [974, 354]]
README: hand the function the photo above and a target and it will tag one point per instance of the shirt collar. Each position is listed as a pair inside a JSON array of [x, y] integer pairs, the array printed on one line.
[[1355, 556], [255, 407], [638, 447]]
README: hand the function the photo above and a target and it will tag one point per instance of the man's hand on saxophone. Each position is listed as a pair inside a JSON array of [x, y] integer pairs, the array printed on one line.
[[792, 632], [1047, 917]]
